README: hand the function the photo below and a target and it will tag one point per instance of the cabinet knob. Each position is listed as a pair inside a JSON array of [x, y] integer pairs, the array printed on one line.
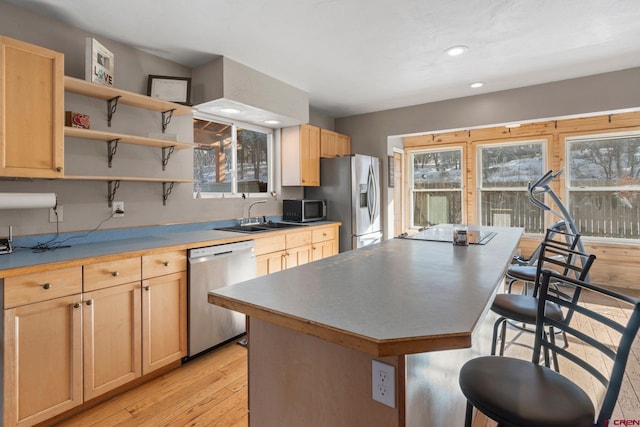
[[166, 263], [46, 286], [76, 305], [89, 302], [115, 273], [58, 169], [324, 234], [313, 248], [146, 288]]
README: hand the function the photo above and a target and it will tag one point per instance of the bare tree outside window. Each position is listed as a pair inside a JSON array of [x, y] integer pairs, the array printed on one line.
[[604, 185], [222, 149], [505, 171], [436, 187]]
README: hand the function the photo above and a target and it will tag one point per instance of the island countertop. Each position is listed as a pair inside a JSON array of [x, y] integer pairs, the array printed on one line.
[[398, 297]]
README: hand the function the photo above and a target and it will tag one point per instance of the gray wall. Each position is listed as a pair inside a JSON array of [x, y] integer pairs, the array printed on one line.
[[85, 202], [373, 133]]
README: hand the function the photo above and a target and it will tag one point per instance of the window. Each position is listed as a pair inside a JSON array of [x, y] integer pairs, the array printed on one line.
[[504, 171], [436, 187], [231, 158], [603, 185]]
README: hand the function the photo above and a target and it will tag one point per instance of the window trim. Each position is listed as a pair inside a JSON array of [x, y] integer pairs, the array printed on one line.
[[436, 148], [544, 141], [566, 182], [234, 158]]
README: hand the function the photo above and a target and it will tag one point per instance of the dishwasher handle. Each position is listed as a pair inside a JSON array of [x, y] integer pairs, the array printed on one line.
[[219, 251]]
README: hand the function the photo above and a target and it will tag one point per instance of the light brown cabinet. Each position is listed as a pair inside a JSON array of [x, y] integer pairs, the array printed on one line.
[[324, 242], [111, 338], [301, 155], [86, 330], [42, 345], [293, 248], [31, 110], [164, 320], [111, 325], [164, 309], [333, 144]]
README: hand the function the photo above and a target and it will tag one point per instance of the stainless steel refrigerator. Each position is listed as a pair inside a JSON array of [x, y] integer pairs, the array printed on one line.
[[351, 187]]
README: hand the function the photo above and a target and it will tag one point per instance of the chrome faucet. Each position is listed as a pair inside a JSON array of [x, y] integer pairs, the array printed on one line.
[[247, 220]]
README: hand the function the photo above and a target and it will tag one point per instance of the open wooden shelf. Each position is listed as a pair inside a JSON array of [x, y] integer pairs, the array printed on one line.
[[82, 87], [99, 135]]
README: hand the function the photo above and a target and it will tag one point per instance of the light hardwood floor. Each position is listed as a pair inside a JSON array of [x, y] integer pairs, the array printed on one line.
[[212, 390]]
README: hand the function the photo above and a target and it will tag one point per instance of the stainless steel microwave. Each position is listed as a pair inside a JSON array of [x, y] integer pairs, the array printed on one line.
[[304, 210]]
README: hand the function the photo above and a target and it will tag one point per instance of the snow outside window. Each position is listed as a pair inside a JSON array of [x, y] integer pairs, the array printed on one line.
[[504, 170]]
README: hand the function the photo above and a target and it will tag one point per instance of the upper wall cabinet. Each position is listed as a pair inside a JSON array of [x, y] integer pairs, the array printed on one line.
[[301, 155], [31, 110], [333, 144]]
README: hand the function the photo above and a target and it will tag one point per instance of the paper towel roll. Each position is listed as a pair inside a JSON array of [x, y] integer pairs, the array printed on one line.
[[27, 200]]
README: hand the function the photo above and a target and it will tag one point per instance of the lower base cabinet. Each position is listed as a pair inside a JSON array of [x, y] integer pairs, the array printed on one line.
[[112, 339], [62, 351], [42, 360], [164, 322]]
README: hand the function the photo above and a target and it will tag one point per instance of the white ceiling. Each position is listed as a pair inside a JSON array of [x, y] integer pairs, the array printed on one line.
[[358, 56]]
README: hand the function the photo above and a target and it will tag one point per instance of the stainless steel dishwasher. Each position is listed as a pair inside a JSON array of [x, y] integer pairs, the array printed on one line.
[[214, 267]]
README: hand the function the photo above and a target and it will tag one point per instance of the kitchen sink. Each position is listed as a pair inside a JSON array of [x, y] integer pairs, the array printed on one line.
[[244, 229], [279, 225], [259, 228]]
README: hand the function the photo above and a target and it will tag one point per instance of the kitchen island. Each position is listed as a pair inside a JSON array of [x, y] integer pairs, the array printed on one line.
[[418, 306]]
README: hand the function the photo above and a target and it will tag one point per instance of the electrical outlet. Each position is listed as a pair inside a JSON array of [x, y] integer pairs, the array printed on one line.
[[117, 208], [52, 214], [383, 383]]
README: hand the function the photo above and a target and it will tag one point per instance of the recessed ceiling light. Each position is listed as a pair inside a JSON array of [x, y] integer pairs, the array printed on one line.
[[456, 50], [476, 85], [272, 122], [230, 110]]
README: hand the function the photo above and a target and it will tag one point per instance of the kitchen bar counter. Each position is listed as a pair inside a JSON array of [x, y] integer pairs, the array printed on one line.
[[396, 302]]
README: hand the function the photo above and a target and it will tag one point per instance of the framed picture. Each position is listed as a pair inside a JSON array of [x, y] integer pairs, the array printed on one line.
[[167, 88], [391, 171]]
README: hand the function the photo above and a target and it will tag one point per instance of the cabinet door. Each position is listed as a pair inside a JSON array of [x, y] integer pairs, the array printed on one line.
[[269, 263], [298, 256], [328, 143], [164, 320], [112, 343], [322, 250], [343, 145], [310, 155], [31, 110], [42, 360]]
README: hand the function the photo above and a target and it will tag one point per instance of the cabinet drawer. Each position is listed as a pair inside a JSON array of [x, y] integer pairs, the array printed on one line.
[[323, 234], [269, 244], [298, 238], [104, 274], [36, 287], [165, 263]]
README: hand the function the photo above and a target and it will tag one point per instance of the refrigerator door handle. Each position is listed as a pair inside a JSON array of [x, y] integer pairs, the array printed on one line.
[[373, 196]]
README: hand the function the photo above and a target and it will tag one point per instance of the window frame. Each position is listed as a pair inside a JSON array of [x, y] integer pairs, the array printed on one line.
[[234, 159], [543, 141], [566, 182], [410, 162]]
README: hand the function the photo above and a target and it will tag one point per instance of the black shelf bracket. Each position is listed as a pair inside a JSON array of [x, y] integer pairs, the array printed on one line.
[[112, 147], [166, 153], [166, 118], [112, 189], [112, 105], [166, 190]]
